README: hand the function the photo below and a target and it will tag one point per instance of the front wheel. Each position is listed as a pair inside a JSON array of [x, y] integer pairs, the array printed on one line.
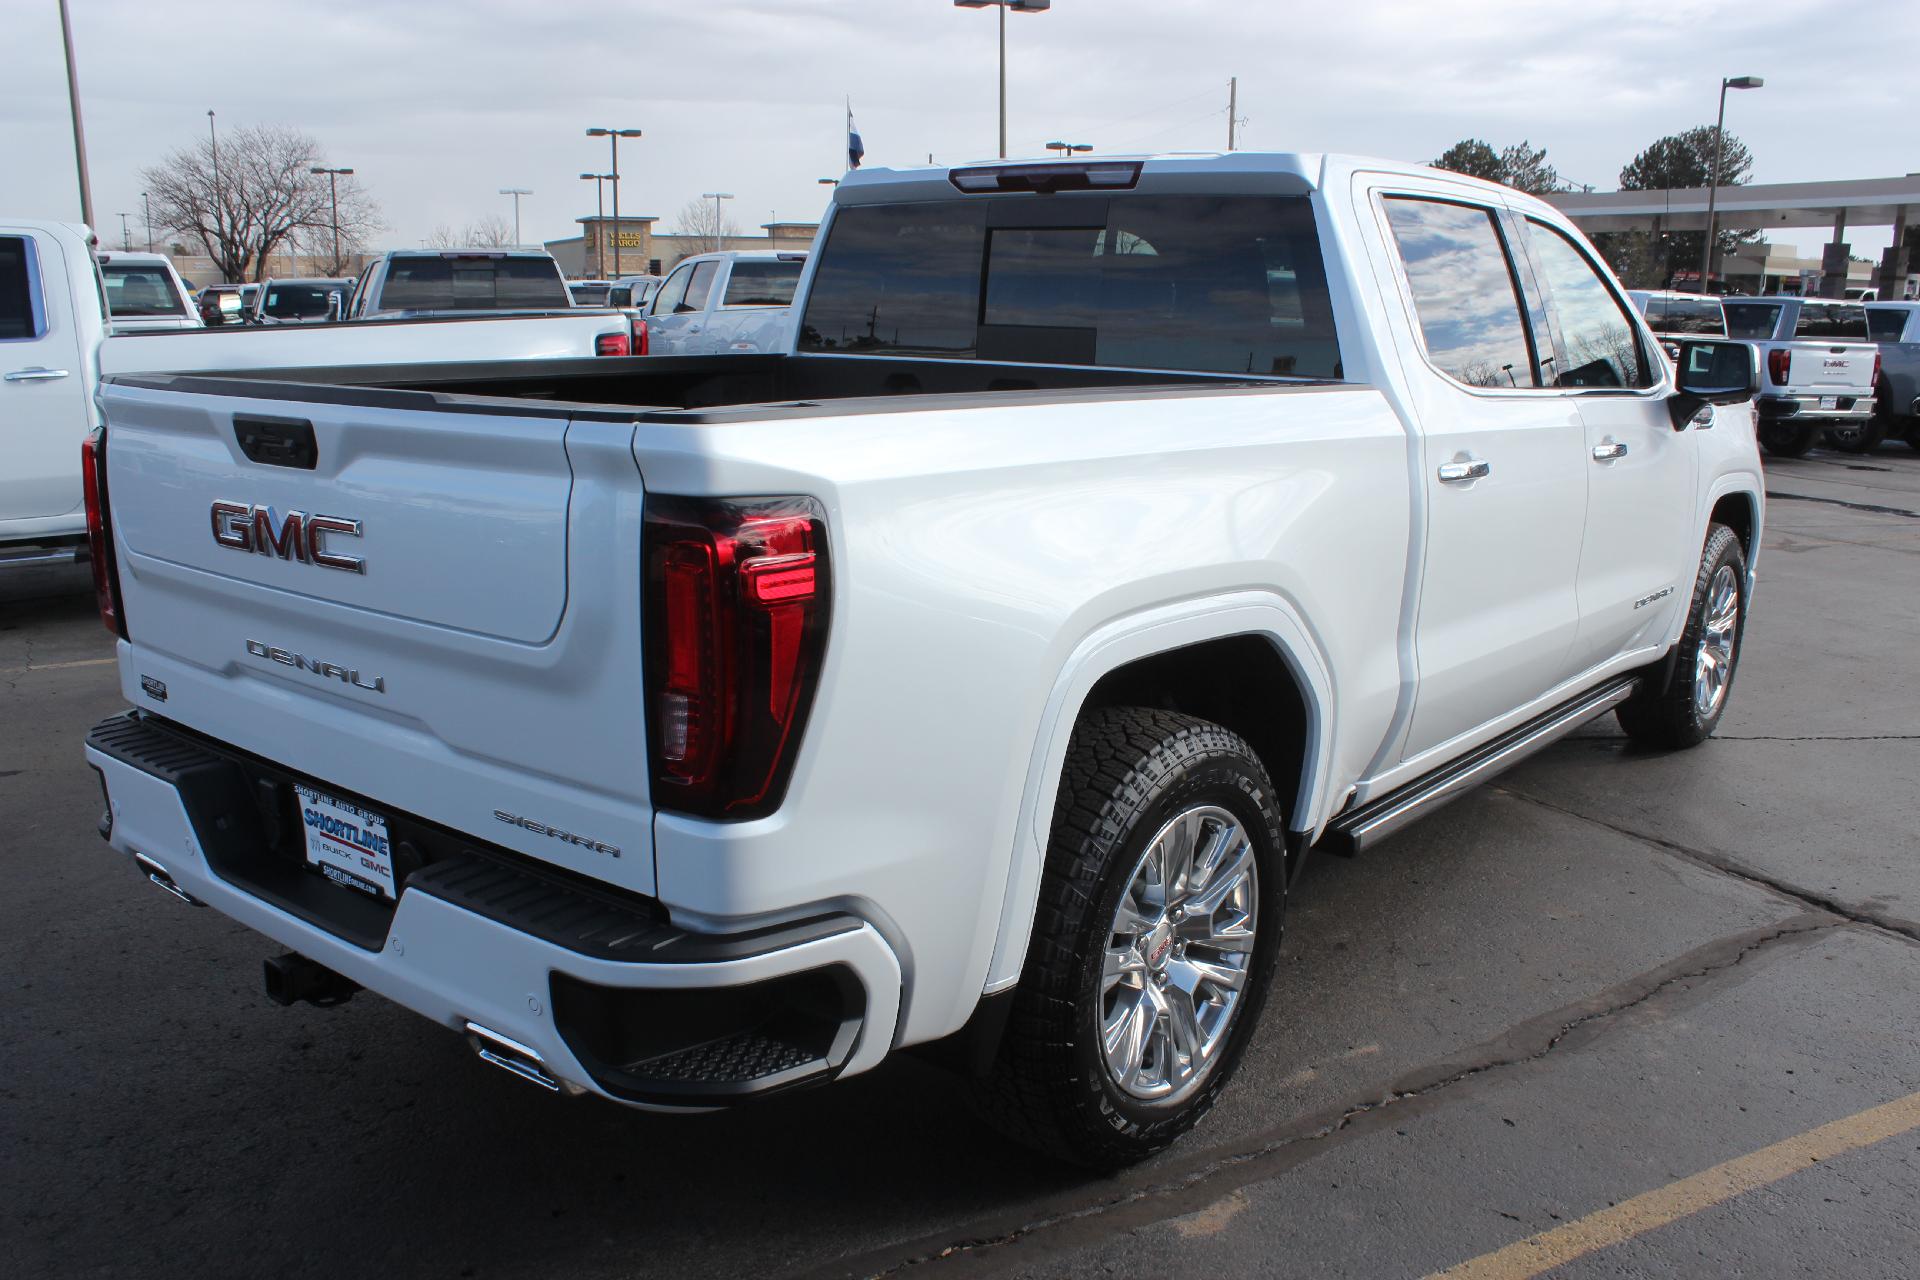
[[1153, 942], [1687, 708], [1786, 439]]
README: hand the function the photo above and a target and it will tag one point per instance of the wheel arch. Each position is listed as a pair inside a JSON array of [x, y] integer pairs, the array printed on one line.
[[1173, 653]]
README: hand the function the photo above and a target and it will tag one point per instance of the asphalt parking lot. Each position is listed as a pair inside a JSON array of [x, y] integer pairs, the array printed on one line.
[[1619, 1013]]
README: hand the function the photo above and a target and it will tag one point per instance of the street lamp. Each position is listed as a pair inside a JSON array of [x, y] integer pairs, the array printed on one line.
[[1713, 181], [716, 197], [1018, 6], [146, 203], [333, 192], [516, 193], [599, 181], [126, 237], [613, 137], [73, 101], [1067, 149], [829, 182]]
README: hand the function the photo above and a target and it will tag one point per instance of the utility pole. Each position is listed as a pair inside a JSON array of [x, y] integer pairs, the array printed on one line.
[[1233, 108], [146, 203], [333, 192], [516, 193], [126, 239], [79, 134]]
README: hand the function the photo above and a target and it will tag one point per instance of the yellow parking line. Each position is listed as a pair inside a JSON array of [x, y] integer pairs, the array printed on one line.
[[57, 666], [1689, 1196]]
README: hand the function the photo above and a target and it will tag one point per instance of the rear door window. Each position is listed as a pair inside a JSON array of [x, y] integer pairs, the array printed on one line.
[[672, 292], [1464, 291], [1228, 284], [1886, 326], [1831, 320], [762, 284], [1752, 321], [699, 286], [20, 315]]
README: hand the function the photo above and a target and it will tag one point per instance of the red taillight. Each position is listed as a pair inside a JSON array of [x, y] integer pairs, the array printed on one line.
[[1875, 384], [1777, 365], [106, 575], [612, 344], [639, 336], [736, 620]]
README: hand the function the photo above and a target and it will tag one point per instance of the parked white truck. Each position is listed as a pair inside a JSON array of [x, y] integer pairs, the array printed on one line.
[[57, 338], [725, 304], [1821, 368], [974, 676]]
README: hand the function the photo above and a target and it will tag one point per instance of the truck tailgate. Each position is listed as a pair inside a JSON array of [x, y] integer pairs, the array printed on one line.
[[1845, 367], [387, 595]]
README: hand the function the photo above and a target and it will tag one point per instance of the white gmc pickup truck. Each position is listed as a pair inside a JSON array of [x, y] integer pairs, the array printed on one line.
[[975, 676]]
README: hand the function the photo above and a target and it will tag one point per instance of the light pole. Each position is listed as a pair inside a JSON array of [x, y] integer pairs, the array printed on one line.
[[1018, 6], [126, 237], [600, 221], [716, 197], [213, 142], [1713, 180], [333, 193], [613, 137], [829, 182], [146, 203], [1066, 149], [516, 193], [73, 101]]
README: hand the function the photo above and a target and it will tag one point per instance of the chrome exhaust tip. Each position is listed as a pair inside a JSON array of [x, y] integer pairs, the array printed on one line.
[[510, 1055], [153, 871]]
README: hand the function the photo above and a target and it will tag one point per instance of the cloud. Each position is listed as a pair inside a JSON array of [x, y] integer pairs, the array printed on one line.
[[440, 104]]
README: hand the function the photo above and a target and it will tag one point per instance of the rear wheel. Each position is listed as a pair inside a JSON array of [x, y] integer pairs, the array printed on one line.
[[1687, 708], [1786, 439], [1153, 943]]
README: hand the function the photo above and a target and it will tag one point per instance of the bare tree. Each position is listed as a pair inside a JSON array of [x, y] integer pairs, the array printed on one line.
[[257, 199], [703, 219], [490, 232], [443, 237]]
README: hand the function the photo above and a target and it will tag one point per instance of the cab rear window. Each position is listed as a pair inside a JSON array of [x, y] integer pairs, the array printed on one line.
[[1227, 284], [1752, 321], [472, 283], [1686, 315], [1831, 320], [139, 290]]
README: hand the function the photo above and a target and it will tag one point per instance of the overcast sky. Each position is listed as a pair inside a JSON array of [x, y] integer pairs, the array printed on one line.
[[440, 103]]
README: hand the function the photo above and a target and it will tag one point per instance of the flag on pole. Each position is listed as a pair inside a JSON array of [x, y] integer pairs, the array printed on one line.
[[855, 148]]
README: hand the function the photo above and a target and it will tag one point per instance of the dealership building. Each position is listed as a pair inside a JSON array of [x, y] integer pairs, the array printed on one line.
[[644, 251]]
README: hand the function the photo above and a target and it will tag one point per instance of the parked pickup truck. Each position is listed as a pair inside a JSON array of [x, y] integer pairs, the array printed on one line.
[[54, 343], [450, 282], [145, 292], [973, 677], [1895, 327], [724, 303], [1820, 370]]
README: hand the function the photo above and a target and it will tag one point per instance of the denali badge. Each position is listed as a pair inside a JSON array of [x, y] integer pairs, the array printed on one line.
[[296, 536], [332, 671], [541, 828], [1661, 594]]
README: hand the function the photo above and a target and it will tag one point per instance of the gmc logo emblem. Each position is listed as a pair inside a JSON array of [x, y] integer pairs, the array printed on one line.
[[294, 536]]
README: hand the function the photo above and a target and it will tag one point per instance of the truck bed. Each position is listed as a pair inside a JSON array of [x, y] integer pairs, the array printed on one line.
[[716, 388]]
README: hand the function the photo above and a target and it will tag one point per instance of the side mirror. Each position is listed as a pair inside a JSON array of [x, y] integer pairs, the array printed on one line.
[[1709, 371]]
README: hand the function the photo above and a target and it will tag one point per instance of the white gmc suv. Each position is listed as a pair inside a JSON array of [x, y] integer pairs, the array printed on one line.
[[974, 676]]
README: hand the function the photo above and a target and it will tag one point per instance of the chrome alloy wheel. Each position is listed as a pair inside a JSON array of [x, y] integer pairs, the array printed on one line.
[[1713, 666], [1177, 955]]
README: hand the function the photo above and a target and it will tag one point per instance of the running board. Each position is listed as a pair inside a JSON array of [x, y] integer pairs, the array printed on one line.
[[1374, 821]]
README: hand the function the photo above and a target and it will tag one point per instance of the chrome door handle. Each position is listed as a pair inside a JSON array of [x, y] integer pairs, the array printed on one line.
[[36, 374], [1457, 472], [1609, 451]]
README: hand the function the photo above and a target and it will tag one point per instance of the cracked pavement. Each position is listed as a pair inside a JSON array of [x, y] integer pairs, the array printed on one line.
[[1606, 971]]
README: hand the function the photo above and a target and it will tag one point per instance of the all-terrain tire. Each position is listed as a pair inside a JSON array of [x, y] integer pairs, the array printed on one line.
[[1673, 713], [1128, 771]]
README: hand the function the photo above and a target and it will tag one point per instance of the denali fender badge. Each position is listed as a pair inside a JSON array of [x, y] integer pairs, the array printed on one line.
[[296, 536], [1661, 594], [332, 671], [541, 828], [155, 689]]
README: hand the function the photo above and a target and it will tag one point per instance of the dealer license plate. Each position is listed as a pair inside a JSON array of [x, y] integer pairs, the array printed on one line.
[[345, 843], [1829, 402]]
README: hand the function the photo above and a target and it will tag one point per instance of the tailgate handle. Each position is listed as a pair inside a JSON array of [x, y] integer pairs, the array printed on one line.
[[277, 442]]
